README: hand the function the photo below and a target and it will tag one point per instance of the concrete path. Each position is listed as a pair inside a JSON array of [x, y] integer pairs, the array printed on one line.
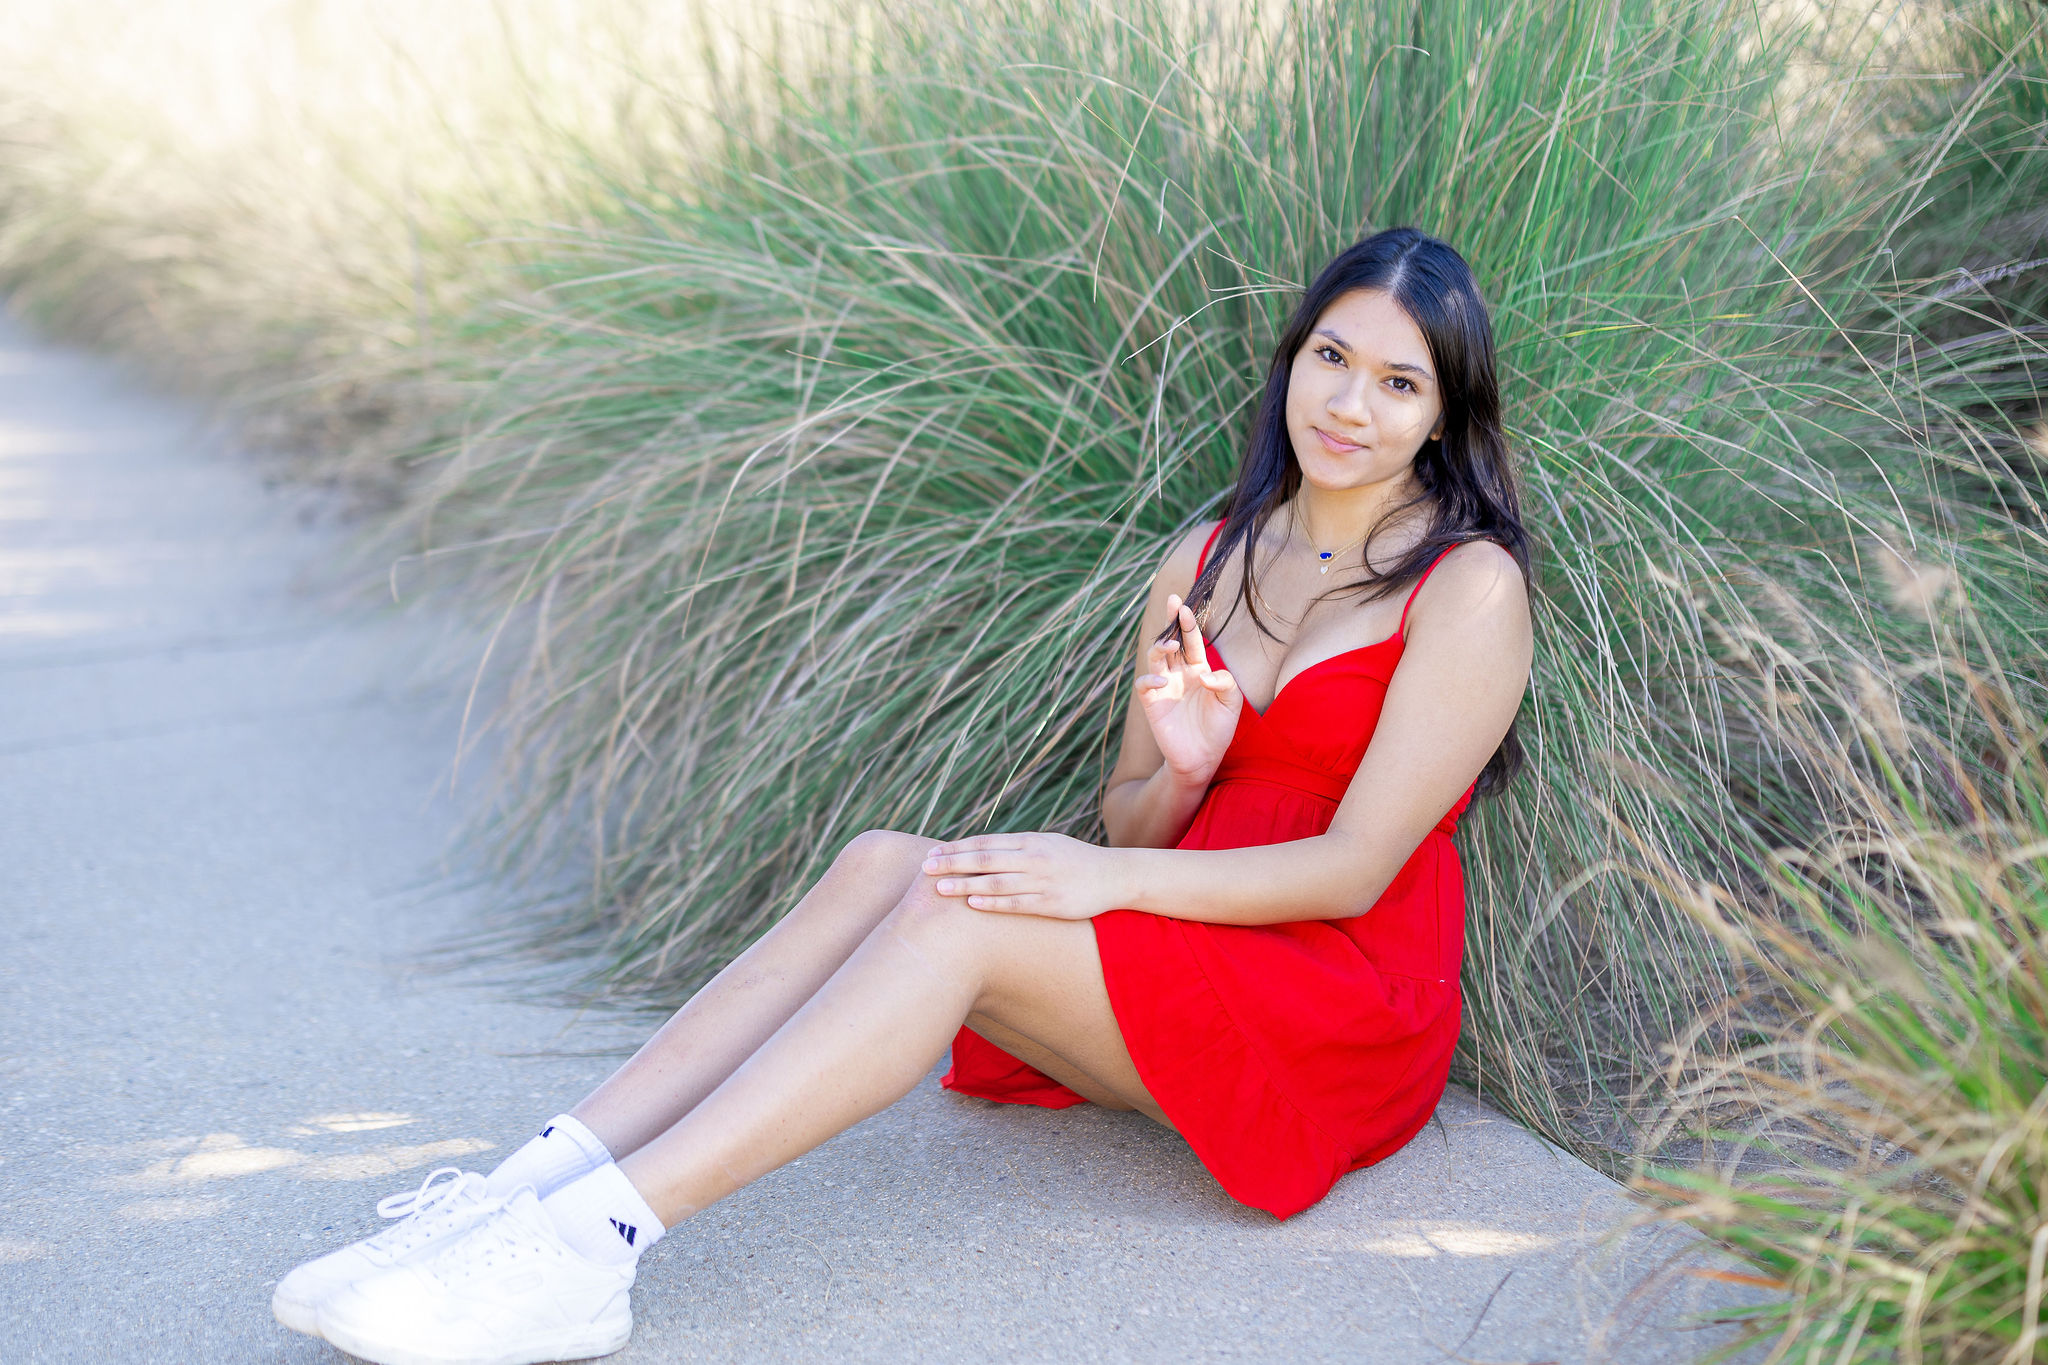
[[223, 818]]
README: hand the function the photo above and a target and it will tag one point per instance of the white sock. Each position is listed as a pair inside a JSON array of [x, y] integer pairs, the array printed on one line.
[[564, 1151], [602, 1217]]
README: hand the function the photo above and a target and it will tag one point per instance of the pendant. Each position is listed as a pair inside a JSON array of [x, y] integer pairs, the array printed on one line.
[[1324, 555]]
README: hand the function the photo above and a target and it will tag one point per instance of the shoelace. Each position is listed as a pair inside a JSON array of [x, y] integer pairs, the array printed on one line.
[[497, 1240], [442, 1193]]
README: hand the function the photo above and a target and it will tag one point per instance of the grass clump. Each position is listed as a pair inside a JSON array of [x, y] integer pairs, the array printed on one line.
[[1873, 1107], [808, 398], [827, 483]]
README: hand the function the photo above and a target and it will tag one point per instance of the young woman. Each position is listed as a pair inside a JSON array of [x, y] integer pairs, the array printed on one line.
[[1265, 958]]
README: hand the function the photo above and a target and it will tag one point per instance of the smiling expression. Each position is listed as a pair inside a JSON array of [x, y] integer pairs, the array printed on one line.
[[1362, 396]]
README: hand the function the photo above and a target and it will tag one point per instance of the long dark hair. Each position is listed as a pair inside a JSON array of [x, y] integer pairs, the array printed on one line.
[[1466, 473]]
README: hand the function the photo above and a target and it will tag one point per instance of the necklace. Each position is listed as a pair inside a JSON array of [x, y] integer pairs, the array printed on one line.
[[1326, 558]]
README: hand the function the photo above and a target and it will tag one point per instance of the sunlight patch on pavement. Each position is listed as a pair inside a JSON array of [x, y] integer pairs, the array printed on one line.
[[217, 1156], [13, 1250], [41, 571], [18, 439], [226, 1156], [1454, 1239], [54, 624], [388, 1160], [363, 1122]]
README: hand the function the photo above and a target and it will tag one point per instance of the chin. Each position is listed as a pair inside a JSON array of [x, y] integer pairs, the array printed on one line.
[[1319, 469], [1330, 480]]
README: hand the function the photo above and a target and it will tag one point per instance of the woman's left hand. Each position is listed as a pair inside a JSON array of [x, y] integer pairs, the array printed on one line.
[[1028, 874]]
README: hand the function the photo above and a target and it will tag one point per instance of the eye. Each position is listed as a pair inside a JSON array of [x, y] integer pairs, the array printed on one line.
[[1407, 386], [1331, 354]]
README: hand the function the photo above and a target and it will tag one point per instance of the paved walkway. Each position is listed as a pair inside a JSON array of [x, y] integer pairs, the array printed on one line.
[[223, 819]]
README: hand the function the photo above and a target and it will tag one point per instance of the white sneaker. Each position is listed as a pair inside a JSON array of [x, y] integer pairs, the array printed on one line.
[[508, 1291], [446, 1203]]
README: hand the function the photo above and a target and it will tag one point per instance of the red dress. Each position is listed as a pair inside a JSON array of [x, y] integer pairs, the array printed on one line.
[[1286, 1054]]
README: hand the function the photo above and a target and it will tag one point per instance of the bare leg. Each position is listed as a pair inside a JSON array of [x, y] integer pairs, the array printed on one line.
[[877, 1026], [1051, 1063], [738, 1010]]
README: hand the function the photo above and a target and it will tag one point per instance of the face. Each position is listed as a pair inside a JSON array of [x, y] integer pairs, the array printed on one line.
[[1362, 396]]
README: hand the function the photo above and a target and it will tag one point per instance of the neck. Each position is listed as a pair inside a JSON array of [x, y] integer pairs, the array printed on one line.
[[1330, 518]]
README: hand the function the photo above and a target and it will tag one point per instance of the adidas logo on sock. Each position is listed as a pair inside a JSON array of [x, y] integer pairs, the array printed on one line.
[[626, 1230], [549, 1129]]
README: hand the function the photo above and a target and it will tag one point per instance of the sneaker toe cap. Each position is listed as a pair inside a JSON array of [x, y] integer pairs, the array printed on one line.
[[316, 1279], [297, 1300]]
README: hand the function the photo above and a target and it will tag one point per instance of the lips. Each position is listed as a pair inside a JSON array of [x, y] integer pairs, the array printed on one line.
[[1337, 445]]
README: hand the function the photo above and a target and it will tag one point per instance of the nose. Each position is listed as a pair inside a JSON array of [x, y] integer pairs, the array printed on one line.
[[1351, 404]]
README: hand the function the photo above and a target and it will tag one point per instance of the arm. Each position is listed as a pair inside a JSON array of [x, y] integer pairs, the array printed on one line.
[[1147, 801], [1460, 682]]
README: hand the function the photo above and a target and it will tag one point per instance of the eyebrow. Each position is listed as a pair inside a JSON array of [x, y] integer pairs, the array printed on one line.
[[1387, 364]]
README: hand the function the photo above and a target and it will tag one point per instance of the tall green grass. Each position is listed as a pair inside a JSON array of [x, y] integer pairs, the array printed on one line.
[[1872, 1106], [828, 481], [808, 398]]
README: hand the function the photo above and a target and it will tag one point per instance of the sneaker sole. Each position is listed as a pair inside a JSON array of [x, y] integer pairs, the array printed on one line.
[[574, 1344]]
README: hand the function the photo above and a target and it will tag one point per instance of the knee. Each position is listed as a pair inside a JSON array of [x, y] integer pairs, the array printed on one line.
[[880, 860], [892, 863], [922, 912], [866, 878]]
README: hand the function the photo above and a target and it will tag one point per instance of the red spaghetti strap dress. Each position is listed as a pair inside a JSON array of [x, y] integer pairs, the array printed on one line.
[[1286, 1054]]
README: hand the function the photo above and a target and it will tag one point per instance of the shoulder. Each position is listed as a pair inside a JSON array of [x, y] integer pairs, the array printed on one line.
[[1477, 585]]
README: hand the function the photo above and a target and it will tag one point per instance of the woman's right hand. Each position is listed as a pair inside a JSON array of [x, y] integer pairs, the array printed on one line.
[[1191, 707]]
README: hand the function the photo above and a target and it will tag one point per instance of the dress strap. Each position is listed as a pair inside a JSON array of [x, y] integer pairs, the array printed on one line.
[[1214, 531], [1403, 630]]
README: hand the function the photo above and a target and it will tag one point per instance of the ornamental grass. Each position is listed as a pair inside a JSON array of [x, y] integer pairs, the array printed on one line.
[[821, 492], [1869, 1109], [802, 400]]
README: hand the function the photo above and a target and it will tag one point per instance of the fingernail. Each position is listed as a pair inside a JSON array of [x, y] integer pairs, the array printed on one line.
[[931, 864]]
